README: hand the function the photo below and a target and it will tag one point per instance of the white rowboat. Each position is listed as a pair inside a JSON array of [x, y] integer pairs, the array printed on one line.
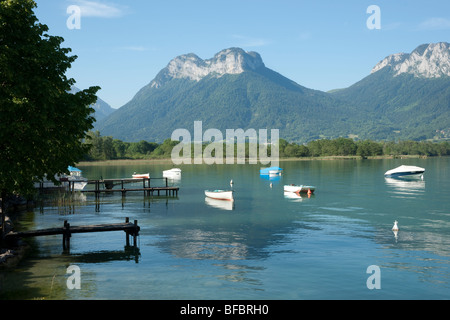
[[219, 194], [299, 189], [141, 175]]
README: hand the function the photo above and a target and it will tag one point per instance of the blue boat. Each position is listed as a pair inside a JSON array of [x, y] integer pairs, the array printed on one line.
[[272, 171]]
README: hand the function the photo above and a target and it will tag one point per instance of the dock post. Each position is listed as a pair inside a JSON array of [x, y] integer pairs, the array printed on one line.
[[135, 233], [66, 236], [97, 188], [127, 234]]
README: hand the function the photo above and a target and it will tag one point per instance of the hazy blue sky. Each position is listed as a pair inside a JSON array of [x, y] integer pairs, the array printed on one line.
[[122, 45]]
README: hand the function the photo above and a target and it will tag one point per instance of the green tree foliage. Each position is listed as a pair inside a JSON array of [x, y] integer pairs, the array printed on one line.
[[368, 148], [41, 124], [142, 148], [105, 148]]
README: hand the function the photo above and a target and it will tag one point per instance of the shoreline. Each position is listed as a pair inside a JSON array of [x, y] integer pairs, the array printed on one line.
[[321, 158]]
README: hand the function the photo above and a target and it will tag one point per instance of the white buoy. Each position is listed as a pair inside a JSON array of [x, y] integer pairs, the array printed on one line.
[[395, 227], [271, 184], [231, 182]]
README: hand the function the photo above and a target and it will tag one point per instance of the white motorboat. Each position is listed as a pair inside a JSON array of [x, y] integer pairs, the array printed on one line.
[[408, 172], [77, 180], [174, 173], [74, 180], [219, 194], [141, 175], [299, 189]]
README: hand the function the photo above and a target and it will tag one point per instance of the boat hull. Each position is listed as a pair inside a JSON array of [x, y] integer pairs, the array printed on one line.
[[299, 189], [272, 171], [219, 194], [141, 176], [172, 173], [78, 184]]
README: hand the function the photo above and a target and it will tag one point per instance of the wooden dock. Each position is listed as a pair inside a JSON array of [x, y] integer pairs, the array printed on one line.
[[108, 186], [131, 229]]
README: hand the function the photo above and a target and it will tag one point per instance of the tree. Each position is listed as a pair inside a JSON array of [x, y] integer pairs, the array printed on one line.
[[41, 124], [368, 148], [344, 146], [282, 144], [95, 142], [120, 148], [165, 149], [294, 150]]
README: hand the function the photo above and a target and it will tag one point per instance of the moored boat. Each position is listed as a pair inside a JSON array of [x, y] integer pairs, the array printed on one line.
[[76, 178], [272, 171], [219, 194], [173, 173], [409, 172], [299, 188], [140, 175]]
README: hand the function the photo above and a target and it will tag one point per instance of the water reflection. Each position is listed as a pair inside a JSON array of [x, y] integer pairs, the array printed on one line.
[[200, 244], [220, 204], [406, 187], [240, 273], [173, 181], [297, 197], [273, 178], [129, 253]]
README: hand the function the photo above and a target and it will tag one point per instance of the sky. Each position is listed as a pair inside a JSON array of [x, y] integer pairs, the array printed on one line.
[[122, 45]]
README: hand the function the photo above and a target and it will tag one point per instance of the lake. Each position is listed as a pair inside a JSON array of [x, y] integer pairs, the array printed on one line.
[[263, 246]]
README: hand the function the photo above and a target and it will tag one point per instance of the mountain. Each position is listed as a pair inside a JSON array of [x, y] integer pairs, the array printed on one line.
[[232, 90], [102, 109], [190, 66], [426, 61], [408, 93], [406, 96]]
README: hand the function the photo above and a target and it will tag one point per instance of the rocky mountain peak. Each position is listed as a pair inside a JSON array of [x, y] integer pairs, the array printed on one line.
[[192, 67], [426, 61]]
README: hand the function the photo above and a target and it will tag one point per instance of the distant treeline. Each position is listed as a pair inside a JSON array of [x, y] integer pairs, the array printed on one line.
[[107, 148]]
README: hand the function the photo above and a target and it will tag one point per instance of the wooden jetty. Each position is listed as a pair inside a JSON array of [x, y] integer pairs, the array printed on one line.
[[131, 229], [107, 186]]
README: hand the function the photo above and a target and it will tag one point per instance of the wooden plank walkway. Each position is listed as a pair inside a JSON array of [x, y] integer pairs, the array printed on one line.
[[131, 229]]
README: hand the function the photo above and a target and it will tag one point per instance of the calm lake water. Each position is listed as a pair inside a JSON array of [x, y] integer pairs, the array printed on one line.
[[266, 246]]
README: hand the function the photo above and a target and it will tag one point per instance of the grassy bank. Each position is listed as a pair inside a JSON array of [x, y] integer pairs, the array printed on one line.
[[169, 161]]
